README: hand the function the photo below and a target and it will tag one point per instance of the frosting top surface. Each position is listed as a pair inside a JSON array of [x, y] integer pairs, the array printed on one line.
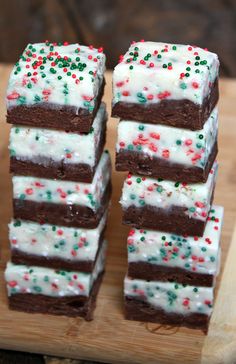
[[192, 253], [151, 71], [65, 74]]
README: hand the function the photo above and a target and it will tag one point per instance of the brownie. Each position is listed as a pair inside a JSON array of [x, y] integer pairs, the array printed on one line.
[[163, 83], [178, 113], [147, 271], [72, 306], [61, 214], [53, 116], [142, 311], [21, 257], [141, 164], [47, 168], [173, 220]]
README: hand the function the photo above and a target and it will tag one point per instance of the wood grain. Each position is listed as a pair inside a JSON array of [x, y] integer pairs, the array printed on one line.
[[109, 337]]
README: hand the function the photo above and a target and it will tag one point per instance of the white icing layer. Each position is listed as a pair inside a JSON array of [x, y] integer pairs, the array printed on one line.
[[195, 197], [59, 74], [51, 282], [191, 148], [55, 241], [65, 192], [195, 254], [150, 72], [71, 148], [171, 297]]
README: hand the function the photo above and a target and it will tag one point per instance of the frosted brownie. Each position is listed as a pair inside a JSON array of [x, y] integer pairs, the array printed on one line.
[[58, 292], [164, 83], [164, 205], [57, 154], [168, 303], [66, 203], [167, 152], [55, 85], [55, 246], [155, 255]]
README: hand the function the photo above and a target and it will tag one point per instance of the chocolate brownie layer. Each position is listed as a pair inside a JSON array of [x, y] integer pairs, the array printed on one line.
[[53, 116], [60, 214], [142, 164], [68, 306], [172, 220], [21, 257], [147, 271], [142, 311], [47, 168], [179, 113]]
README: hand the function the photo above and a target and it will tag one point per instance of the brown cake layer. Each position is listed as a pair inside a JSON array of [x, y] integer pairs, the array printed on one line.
[[144, 165], [55, 116], [142, 311], [174, 220], [47, 168], [155, 272], [178, 113], [72, 306], [61, 214], [20, 257]]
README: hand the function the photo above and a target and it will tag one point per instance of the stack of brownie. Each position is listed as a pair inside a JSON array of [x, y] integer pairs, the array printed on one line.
[[166, 96], [61, 179]]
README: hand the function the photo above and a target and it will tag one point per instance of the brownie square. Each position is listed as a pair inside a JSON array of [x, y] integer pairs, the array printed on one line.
[[57, 86], [169, 84]]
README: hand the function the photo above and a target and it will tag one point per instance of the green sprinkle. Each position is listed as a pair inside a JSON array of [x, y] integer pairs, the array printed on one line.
[[132, 196], [141, 127], [138, 180], [183, 85]]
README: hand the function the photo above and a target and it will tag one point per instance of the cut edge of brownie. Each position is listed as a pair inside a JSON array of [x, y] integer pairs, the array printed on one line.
[[71, 306], [55, 116], [48, 168], [138, 310], [142, 164], [174, 220], [60, 214], [178, 113], [148, 271], [20, 257]]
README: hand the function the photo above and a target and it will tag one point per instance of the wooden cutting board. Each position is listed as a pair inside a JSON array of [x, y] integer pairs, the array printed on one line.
[[110, 338]]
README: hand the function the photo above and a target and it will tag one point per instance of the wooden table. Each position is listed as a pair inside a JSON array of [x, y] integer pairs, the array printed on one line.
[[109, 337]]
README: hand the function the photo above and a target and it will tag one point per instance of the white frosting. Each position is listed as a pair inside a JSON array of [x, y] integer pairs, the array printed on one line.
[[51, 282], [59, 74], [71, 148], [150, 72], [191, 148], [171, 297], [195, 197], [195, 254], [65, 192], [56, 241]]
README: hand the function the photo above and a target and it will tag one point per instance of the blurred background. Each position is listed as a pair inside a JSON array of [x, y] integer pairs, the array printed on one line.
[[114, 23]]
